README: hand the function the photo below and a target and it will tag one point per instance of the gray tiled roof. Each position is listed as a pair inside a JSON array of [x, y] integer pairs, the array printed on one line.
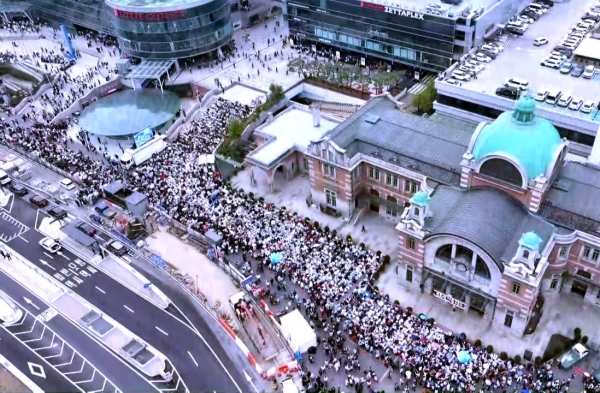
[[413, 137], [486, 217], [573, 199]]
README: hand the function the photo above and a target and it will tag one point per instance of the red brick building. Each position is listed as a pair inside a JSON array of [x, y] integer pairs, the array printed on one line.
[[491, 217]]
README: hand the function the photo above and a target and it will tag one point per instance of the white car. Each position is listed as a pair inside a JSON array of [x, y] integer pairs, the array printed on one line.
[[570, 45], [482, 58], [540, 41], [50, 245], [493, 48], [564, 100], [552, 63], [475, 65], [588, 106], [67, 183], [461, 76], [9, 312], [541, 95], [589, 72], [575, 104]]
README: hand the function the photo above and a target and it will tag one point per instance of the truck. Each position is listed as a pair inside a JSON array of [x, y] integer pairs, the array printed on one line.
[[573, 356], [140, 154]]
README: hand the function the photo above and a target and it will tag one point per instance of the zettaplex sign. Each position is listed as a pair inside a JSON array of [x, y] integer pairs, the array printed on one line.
[[392, 10]]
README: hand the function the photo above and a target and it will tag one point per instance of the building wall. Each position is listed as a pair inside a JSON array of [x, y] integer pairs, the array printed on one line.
[[521, 195], [411, 257], [340, 185]]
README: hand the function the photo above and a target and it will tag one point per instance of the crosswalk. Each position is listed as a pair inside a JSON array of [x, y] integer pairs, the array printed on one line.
[[30, 278], [422, 85]]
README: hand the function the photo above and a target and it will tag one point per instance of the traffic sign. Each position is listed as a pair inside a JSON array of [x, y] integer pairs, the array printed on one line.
[[247, 280]]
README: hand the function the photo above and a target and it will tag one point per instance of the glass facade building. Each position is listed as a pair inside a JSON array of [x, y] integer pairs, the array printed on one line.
[[171, 29], [422, 37]]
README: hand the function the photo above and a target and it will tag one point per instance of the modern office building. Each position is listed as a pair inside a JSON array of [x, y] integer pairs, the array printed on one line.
[[427, 35], [165, 29]]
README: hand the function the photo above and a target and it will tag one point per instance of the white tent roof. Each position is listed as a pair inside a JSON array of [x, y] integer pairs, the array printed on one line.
[[299, 333]]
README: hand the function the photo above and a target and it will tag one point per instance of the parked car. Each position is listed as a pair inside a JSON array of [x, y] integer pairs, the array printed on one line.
[[508, 92], [564, 50], [488, 53], [86, 228], [577, 71], [552, 63], [540, 41], [564, 100], [67, 183], [482, 58], [461, 76], [50, 245], [531, 14], [515, 30], [541, 95], [454, 82], [39, 201], [57, 212], [103, 209], [525, 19], [575, 104], [566, 67], [18, 189], [117, 248], [589, 72], [588, 106], [493, 48], [573, 356]]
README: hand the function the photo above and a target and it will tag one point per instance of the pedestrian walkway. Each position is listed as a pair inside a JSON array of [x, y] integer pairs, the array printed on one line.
[[422, 85]]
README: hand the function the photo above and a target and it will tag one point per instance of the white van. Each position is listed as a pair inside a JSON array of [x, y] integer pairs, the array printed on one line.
[[553, 96], [4, 179], [517, 83], [288, 386]]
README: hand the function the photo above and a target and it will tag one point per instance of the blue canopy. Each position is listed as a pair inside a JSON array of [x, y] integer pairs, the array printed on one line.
[[463, 357], [276, 258]]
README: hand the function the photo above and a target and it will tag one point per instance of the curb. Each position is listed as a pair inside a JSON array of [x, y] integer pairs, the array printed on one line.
[[242, 346], [20, 375]]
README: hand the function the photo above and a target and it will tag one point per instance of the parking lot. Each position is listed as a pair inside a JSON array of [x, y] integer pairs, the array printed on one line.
[[522, 59]]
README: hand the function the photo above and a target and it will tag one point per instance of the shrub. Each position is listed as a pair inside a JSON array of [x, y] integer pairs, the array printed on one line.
[[577, 333], [251, 195], [431, 320], [478, 343], [409, 310], [538, 360], [326, 229], [261, 199], [463, 336], [334, 232], [376, 288], [316, 224], [585, 339], [489, 349], [362, 246], [378, 253], [349, 238], [503, 355], [517, 359], [396, 303], [376, 276], [386, 259]]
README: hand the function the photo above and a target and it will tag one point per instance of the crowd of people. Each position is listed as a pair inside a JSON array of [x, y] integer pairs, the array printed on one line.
[[328, 277]]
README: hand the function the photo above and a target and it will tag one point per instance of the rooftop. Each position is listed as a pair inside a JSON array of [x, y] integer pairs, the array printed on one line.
[[431, 147], [463, 213], [523, 60], [573, 199], [445, 10], [291, 129], [590, 48], [150, 69]]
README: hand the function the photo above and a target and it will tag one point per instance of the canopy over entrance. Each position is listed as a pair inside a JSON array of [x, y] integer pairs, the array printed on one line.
[[153, 70]]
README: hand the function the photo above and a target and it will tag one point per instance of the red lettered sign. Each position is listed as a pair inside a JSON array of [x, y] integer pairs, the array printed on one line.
[[150, 16]]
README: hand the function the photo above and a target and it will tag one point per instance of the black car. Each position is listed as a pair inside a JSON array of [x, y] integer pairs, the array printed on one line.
[[547, 3], [39, 201], [564, 50], [18, 189], [488, 53], [86, 228], [531, 14], [577, 71], [117, 248], [508, 92], [515, 30], [57, 212], [592, 17]]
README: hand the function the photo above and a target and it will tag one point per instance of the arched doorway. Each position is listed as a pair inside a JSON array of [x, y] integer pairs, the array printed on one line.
[[391, 206], [374, 201]]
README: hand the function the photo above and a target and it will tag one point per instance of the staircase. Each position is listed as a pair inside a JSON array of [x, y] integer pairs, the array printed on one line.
[[355, 216], [339, 109]]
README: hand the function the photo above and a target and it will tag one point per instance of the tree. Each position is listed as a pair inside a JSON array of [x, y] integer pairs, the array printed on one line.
[[424, 100], [379, 82], [328, 72], [235, 129]]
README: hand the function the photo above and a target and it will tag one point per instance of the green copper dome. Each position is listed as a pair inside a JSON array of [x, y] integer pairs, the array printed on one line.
[[521, 136], [421, 199], [531, 241]]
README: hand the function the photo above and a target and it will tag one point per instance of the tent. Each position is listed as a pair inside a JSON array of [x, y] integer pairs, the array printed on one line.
[[298, 332]]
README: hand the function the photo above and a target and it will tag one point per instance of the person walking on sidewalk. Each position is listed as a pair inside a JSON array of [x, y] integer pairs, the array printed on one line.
[[363, 229]]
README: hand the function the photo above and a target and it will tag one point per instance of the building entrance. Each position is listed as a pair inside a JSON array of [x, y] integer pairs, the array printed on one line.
[[579, 288]]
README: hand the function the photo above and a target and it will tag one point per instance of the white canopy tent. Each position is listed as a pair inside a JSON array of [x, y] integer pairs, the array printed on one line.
[[298, 332]]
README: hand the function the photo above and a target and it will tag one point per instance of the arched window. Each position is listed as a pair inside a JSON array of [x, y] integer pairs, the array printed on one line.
[[502, 170], [481, 269], [444, 252]]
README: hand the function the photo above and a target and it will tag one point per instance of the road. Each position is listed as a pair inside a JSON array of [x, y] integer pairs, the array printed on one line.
[[203, 365]]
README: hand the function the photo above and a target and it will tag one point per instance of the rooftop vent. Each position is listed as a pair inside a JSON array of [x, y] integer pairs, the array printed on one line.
[[376, 154], [372, 119], [561, 184], [394, 160]]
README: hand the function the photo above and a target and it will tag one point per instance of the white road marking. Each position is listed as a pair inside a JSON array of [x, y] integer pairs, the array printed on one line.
[[25, 240], [220, 362], [48, 255], [128, 309], [162, 331], [101, 290], [193, 360]]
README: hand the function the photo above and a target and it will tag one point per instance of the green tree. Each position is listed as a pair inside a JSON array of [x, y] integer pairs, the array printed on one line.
[[379, 82], [234, 129], [424, 100]]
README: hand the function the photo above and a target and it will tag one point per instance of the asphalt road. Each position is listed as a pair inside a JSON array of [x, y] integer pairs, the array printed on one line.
[[189, 351], [56, 340]]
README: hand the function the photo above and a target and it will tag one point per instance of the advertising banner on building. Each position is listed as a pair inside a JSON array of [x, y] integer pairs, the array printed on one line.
[[338, 55], [363, 61]]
